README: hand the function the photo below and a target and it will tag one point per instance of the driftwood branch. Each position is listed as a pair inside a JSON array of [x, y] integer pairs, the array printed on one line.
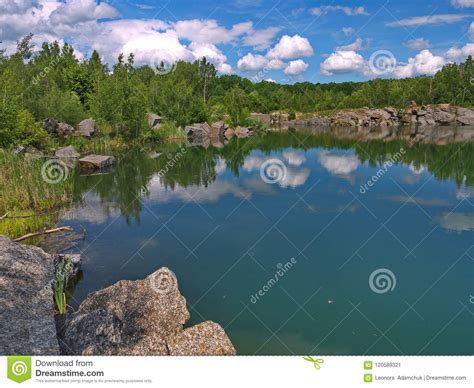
[[29, 235], [7, 217]]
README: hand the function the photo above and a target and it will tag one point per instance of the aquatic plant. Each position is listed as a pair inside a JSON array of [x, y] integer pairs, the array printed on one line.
[[60, 284]]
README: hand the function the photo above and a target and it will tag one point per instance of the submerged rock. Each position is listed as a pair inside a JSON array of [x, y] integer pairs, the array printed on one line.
[[142, 317], [96, 161]]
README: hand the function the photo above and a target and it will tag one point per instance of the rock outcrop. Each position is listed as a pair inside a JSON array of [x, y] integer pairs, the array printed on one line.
[[414, 115], [142, 317], [55, 128], [216, 134], [27, 324]]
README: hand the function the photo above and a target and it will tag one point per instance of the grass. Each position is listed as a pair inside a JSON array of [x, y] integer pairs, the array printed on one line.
[[24, 192], [60, 284]]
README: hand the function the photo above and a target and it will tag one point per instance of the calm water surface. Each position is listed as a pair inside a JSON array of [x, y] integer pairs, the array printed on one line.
[[226, 233]]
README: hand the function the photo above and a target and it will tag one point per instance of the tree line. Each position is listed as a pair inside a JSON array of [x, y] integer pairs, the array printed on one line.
[[52, 83]]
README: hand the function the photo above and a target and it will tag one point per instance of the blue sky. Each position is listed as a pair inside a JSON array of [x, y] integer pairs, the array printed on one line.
[[285, 41]]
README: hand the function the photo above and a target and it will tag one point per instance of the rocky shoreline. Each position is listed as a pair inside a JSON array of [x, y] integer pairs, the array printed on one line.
[[142, 317], [414, 115]]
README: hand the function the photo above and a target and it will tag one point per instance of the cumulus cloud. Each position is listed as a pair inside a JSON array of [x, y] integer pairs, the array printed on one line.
[[276, 64], [459, 54], [290, 47], [355, 46], [260, 39], [429, 19], [80, 11], [209, 31], [296, 67], [425, 63], [252, 62], [418, 44], [349, 11], [463, 3], [341, 62]]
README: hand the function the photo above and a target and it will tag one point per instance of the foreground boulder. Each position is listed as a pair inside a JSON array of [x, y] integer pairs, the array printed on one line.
[[142, 317], [27, 324], [91, 162]]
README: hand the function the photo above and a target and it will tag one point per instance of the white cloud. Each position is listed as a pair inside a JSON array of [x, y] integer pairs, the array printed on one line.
[[252, 62], [325, 9], [296, 67], [425, 63], [260, 39], [343, 62], [209, 31], [291, 47], [156, 47], [459, 54], [276, 64], [355, 46], [418, 44], [80, 11], [471, 31], [463, 3], [430, 19], [225, 68]]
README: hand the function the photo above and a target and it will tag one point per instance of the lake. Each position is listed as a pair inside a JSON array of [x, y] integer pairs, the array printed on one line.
[[335, 247]]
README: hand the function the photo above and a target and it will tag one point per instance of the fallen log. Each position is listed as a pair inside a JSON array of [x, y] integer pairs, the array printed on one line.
[[29, 235]]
